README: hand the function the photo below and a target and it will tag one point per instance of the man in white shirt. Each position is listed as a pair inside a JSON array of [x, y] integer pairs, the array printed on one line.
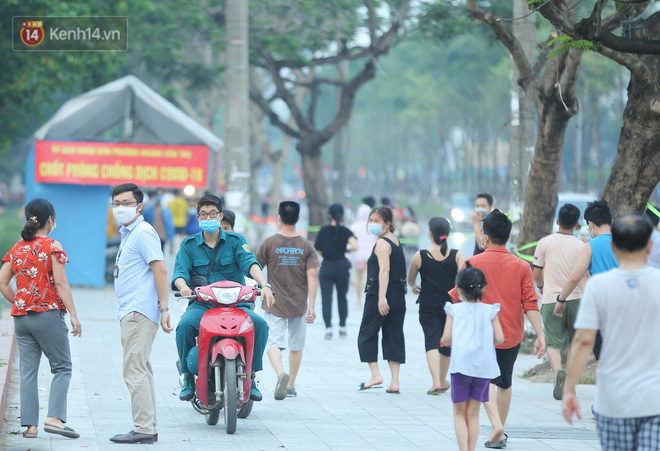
[[141, 286], [624, 304]]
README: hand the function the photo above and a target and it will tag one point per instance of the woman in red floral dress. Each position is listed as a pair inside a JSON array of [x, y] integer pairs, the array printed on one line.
[[40, 302]]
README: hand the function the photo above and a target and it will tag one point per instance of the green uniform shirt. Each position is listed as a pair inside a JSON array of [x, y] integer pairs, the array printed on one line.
[[233, 261]]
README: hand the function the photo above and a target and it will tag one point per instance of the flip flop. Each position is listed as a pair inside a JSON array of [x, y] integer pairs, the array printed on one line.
[[394, 392], [500, 445], [27, 434], [66, 432], [364, 387], [438, 391]]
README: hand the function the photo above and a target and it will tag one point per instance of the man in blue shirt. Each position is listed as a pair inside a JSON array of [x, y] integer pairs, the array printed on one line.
[[233, 261], [142, 297], [596, 257]]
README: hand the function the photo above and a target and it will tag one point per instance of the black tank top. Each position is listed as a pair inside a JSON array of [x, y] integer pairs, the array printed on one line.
[[438, 277], [397, 282]]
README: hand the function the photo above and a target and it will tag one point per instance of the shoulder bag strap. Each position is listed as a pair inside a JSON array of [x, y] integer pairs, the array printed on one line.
[[216, 249]]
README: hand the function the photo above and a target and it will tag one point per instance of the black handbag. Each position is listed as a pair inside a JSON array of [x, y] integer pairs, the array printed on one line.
[[202, 281]]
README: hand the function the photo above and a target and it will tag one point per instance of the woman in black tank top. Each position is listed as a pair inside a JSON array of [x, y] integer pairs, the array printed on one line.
[[385, 302], [437, 266]]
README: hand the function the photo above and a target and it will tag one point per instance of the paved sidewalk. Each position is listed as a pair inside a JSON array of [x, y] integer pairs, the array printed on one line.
[[329, 412]]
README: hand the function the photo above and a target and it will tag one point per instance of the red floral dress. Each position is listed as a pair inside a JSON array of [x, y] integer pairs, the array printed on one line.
[[33, 268]]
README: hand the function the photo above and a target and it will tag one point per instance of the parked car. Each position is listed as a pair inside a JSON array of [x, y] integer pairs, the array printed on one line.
[[462, 207], [580, 200]]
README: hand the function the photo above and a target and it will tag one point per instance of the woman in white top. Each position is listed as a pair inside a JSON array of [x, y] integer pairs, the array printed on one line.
[[472, 329]]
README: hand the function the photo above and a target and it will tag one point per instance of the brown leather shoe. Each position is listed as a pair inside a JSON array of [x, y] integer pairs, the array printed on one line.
[[134, 437]]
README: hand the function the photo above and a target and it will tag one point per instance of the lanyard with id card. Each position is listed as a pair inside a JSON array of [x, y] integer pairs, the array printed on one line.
[[115, 272]]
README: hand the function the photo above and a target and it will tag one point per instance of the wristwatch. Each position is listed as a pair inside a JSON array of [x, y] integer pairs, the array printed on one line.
[[161, 310], [268, 286], [560, 301]]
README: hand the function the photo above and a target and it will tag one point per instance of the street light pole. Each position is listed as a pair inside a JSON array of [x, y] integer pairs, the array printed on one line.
[[522, 109], [237, 139]]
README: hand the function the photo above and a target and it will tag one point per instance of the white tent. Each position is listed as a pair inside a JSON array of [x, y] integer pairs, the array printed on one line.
[[128, 100]]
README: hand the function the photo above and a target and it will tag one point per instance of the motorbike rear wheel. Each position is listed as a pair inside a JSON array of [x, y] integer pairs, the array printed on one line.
[[229, 396], [214, 414], [245, 409]]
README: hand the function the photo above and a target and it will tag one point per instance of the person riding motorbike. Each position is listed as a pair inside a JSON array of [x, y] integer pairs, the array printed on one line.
[[210, 256]]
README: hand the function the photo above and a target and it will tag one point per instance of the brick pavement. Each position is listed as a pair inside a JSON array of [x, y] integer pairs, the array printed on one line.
[[329, 412]]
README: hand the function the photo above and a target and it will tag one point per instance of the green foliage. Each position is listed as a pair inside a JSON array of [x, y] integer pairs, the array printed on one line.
[[11, 225], [300, 30], [566, 43]]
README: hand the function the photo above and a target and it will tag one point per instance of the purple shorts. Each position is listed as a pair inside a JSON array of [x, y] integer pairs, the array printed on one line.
[[464, 388]]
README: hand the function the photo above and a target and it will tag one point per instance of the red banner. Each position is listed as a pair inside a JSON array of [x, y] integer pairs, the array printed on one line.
[[99, 163]]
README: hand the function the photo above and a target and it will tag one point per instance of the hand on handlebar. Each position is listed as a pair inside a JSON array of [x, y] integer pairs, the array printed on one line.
[[186, 292]]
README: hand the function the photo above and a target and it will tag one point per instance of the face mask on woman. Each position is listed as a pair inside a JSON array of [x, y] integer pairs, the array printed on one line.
[[209, 225], [375, 229], [123, 214]]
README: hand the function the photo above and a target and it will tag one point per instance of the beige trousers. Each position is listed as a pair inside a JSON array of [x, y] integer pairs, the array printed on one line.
[[137, 335]]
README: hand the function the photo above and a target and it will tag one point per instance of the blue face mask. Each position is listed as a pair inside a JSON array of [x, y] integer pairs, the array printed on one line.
[[210, 225], [375, 229]]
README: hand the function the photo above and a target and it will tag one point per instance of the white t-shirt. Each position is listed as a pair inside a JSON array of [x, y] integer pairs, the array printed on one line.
[[625, 306], [472, 341], [557, 254]]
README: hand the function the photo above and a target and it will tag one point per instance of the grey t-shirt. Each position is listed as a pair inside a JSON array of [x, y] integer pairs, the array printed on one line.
[[625, 306]]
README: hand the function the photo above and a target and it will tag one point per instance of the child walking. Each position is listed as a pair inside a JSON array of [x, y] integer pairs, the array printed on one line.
[[473, 329]]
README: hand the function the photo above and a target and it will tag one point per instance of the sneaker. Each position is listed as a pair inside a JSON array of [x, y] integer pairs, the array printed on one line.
[[560, 379], [188, 388], [342, 332], [280, 388], [328, 333], [255, 394], [291, 392]]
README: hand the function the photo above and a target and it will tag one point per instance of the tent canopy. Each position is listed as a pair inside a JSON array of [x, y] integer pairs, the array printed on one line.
[[128, 100]]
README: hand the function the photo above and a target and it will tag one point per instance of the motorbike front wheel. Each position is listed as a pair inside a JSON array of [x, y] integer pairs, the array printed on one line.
[[229, 396]]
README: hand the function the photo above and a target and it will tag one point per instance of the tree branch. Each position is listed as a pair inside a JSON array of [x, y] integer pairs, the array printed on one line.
[[542, 58], [348, 93], [630, 62], [274, 118], [282, 91], [311, 108], [372, 20], [527, 79]]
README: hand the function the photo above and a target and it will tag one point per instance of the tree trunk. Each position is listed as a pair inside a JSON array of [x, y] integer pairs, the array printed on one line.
[[636, 171], [541, 192], [315, 187]]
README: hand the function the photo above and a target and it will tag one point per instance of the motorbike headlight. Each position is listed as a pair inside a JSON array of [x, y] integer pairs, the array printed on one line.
[[226, 295], [205, 297], [245, 326], [247, 296]]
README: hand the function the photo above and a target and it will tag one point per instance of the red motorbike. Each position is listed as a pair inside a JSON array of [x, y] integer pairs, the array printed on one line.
[[224, 353]]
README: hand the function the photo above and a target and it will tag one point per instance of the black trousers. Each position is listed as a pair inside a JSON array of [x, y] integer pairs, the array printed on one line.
[[334, 273], [394, 346]]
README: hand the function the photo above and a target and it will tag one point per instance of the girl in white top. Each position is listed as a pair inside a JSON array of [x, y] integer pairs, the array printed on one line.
[[473, 329]]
